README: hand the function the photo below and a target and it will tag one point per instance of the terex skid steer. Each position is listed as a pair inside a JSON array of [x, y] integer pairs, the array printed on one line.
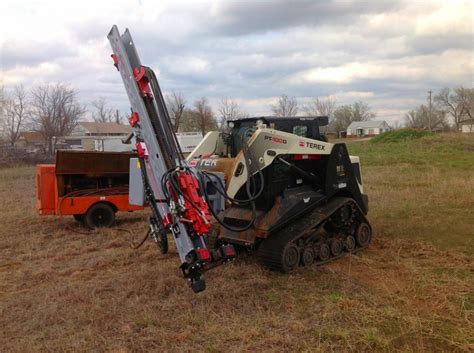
[[296, 198], [273, 184]]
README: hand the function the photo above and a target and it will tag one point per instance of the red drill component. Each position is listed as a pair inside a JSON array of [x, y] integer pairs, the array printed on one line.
[[114, 58], [142, 81], [134, 119], [142, 150], [199, 215], [167, 220], [229, 251], [203, 254]]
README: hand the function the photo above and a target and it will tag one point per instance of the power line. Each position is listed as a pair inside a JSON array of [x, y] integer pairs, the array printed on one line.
[[429, 111]]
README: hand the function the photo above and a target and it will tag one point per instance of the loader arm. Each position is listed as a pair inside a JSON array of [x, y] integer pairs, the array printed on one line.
[[265, 145]]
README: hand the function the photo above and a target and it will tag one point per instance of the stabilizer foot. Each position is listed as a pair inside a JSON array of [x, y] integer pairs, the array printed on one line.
[[198, 285]]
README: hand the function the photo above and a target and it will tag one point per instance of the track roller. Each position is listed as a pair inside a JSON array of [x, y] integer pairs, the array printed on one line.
[[363, 234], [350, 243], [336, 247], [290, 258], [324, 252], [307, 256]]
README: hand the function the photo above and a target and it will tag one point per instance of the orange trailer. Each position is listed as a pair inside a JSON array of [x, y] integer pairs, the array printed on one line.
[[91, 186]]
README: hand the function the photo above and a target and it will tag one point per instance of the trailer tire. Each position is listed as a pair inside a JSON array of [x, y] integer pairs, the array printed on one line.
[[99, 215], [79, 218]]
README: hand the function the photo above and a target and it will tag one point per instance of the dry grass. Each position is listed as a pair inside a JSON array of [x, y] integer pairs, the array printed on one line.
[[412, 290]]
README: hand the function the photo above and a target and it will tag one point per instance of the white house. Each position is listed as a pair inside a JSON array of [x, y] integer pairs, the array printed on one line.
[[367, 128], [92, 136], [467, 126]]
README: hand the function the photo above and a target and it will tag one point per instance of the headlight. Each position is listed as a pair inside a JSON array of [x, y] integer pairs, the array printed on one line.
[[230, 124]]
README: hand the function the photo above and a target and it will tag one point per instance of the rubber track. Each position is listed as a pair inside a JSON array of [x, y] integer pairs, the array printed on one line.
[[271, 250]]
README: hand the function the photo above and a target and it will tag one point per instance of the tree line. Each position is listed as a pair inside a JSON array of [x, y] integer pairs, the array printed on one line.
[[50, 109], [448, 104], [54, 110], [200, 116]]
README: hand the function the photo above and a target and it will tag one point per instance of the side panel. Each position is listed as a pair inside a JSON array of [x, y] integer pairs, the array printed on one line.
[[216, 199], [136, 191], [340, 177], [45, 189], [92, 162], [80, 205]]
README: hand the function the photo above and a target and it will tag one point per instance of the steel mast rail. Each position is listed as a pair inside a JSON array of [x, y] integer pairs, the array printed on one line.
[[171, 187]]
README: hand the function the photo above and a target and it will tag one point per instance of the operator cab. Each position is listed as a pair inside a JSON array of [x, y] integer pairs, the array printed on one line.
[[243, 129]]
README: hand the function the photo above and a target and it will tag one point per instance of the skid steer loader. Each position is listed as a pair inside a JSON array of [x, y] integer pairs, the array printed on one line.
[[296, 198], [273, 184]]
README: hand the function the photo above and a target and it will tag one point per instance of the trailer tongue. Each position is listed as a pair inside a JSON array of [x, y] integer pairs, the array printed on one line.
[[172, 188]]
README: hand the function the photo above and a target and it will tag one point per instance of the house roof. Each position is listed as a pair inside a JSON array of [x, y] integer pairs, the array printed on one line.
[[105, 128], [31, 136], [367, 124]]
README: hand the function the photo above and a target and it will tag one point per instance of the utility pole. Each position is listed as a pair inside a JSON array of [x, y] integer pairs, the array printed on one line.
[[429, 110]]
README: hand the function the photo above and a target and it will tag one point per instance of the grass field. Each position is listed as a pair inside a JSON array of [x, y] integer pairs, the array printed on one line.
[[412, 290]]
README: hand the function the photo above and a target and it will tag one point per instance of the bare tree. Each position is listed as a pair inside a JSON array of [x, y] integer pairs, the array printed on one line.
[[189, 121], [449, 101], [176, 105], [346, 114], [2, 112], [102, 114], [204, 115], [420, 118], [118, 118], [465, 98], [321, 107], [229, 110], [413, 119], [55, 111], [396, 125], [15, 114], [285, 106]]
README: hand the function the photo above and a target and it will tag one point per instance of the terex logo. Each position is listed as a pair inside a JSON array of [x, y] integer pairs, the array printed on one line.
[[315, 146], [301, 143], [193, 162], [204, 162], [208, 162], [275, 139]]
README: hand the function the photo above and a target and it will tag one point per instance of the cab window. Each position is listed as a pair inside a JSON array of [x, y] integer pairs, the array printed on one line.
[[300, 130]]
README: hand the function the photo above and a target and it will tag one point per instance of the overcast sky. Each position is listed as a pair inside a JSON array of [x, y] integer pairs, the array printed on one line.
[[387, 53]]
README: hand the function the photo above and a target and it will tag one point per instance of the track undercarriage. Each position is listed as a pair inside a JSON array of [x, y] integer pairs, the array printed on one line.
[[324, 234]]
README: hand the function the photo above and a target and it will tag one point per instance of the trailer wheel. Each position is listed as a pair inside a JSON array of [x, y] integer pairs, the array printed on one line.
[[79, 218], [99, 215]]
